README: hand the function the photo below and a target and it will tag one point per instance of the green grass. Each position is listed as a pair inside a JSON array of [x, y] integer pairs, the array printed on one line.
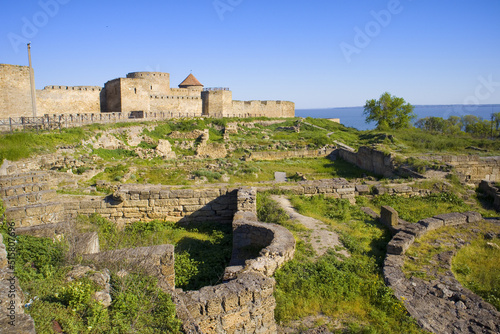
[[478, 269], [20, 145], [415, 208], [349, 290], [137, 303], [204, 250], [475, 266]]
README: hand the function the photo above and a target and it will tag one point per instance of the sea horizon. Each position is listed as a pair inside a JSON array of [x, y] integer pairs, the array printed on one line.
[[353, 116]]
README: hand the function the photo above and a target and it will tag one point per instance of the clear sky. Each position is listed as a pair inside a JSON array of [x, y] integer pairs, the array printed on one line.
[[319, 54]]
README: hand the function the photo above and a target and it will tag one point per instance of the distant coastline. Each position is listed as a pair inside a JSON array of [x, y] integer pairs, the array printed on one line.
[[353, 116]]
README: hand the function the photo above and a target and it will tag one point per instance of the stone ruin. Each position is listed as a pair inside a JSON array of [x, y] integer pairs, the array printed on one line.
[[441, 305], [244, 303]]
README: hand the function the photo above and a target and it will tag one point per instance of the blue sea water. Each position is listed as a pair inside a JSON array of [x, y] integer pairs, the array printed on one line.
[[353, 116]]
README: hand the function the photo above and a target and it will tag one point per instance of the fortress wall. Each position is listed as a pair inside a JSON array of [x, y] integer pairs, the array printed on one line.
[[263, 108], [112, 90], [135, 95], [177, 106], [68, 100], [15, 93], [196, 92], [217, 103], [157, 83]]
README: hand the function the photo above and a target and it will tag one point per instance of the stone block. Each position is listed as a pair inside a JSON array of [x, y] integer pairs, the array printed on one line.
[[453, 218], [232, 320], [415, 229], [362, 189], [207, 193], [189, 201], [400, 243], [135, 204], [193, 208], [164, 194], [36, 210], [181, 193], [389, 216], [343, 191], [431, 223], [230, 302], [87, 243], [90, 204], [473, 217], [214, 307]]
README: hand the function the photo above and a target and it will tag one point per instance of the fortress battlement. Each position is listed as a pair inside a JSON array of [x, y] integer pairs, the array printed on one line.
[[92, 88], [138, 93]]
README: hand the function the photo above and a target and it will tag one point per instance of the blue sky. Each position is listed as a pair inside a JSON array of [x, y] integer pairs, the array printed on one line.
[[319, 54]]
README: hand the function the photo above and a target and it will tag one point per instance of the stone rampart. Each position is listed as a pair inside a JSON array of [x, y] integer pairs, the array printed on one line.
[[15, 93], [262, 109], [68, 100], [442, 305], [58, 121]]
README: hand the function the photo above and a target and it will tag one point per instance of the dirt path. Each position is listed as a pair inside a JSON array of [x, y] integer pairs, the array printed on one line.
[[321, 237]]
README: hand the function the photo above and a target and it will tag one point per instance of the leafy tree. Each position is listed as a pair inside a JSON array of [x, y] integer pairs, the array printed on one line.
[[495, 118], [390, 112]]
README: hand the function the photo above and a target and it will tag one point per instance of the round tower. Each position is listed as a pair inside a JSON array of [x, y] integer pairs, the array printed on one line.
[[191, 83]]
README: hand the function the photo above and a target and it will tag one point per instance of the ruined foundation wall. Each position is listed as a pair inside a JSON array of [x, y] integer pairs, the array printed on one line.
[[471, 167], [369, 159], [280, 155], [245, 304]]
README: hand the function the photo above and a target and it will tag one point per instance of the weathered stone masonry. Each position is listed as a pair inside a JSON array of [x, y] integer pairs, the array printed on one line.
[[439, 306], [244, 304], [137, 95]]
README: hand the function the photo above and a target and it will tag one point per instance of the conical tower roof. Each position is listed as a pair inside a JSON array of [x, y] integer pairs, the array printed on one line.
[[189, 82]]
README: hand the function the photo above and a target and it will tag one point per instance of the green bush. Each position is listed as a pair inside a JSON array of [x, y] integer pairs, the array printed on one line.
[[210, 175], [269, 211]]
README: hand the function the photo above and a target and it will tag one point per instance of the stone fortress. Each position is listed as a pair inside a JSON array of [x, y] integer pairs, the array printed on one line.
[[135, 96]]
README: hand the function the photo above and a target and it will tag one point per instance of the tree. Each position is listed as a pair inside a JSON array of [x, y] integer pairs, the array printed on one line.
[[389, 112]]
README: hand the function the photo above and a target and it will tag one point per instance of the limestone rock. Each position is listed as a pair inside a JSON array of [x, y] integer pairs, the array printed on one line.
[[103, 297], [164, 149]]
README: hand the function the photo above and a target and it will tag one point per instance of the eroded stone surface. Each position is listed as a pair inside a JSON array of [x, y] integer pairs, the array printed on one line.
[[441, 305]]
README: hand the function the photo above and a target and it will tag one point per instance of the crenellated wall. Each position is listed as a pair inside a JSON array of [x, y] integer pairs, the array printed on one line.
[[68, 100], [139, 92], [262, 109]]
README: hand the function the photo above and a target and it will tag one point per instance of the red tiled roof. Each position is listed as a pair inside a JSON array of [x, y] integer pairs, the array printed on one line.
[[190, 81]]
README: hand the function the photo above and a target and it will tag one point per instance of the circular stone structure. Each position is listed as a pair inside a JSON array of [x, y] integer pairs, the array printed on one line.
[[442, 304]]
